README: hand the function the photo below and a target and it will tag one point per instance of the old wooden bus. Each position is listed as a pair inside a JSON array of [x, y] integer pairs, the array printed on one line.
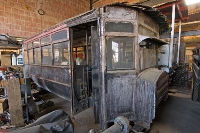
[[108, 55]]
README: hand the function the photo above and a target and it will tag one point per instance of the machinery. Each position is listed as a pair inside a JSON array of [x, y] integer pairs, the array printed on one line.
[[196, 75], [108, 56]]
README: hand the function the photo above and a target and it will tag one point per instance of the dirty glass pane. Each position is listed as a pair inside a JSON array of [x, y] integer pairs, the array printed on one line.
[[29, 45], [119, 27], [30, 56], [120, 53], [46, 55], [59, 35], [36, 43], [25, 57], [45, 40], [81, 55], [37, 56], [61, 56]]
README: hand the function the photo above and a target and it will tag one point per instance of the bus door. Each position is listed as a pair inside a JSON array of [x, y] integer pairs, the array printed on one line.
[[81, 77]]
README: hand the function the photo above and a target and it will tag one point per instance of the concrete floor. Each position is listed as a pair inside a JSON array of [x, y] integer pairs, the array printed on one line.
[[179, 114]]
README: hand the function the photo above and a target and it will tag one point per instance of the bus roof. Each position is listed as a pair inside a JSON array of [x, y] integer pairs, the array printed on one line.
[[92, 15]]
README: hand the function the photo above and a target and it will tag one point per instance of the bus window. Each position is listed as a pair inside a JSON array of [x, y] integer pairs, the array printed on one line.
[[29, 45], [120, 53], [30, 56], [79, 53], [119, 27], [45, 40], [61, 35], [37, 56], [36, 43], [60, 53], [46, 55]]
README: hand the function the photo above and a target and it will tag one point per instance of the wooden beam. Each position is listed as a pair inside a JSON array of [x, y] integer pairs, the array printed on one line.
[[168, 5], [180, 8], [191, 39], [177, 20], [192, 44], [193, 11], [154, 3], [186, 33]]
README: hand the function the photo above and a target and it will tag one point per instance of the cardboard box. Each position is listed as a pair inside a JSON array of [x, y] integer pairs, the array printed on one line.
[[5, 58], [3, 105], [3, 83], [21, 81]]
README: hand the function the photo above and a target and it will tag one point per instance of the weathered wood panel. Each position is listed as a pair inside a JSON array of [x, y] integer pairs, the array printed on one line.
[[135, 97], [119, 97]]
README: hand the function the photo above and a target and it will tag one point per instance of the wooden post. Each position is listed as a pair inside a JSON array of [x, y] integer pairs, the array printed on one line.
[[14, 102]]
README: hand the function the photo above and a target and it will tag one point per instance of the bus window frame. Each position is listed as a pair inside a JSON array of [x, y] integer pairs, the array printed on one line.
[[67, 41], [50, 43]]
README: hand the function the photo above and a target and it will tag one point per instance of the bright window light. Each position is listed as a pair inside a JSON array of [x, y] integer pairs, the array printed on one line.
[[189, 2]]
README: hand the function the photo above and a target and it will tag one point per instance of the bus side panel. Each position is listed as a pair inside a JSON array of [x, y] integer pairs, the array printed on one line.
[[53, 79], [119, 97]]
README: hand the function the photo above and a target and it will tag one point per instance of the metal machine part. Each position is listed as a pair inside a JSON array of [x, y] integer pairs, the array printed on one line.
[[121, 124], [196, 75]]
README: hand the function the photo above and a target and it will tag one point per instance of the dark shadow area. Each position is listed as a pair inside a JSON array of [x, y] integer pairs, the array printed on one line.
[[179, 114]]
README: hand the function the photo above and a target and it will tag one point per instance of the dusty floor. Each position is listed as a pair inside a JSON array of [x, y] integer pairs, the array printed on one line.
[[179, 114]]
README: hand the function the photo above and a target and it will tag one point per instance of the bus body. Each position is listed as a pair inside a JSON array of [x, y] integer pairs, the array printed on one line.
[[109, 55]]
